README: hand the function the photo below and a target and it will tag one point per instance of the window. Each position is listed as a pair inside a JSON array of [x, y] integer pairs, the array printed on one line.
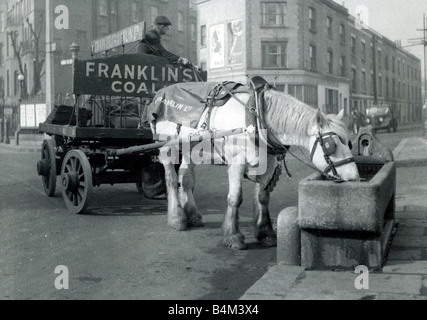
[[330, 61], [343, 66], [1, 21], [379, 59], [274, 54], [135, 11], [1, 87], [310, 95], [180, 21], [193, 31], [342, 33], [380, 85], [393, 64], [387, 89], [154, 12], [312, 19], [353, 45], [113, 7], [386, 62], [329, 26], [304, 93], [280, 87], [364, 81], [394, 88], [312, 53], [273, 13], [81, 38], [103, 8], [331, 101], [363, 51], [354, 79], [295, 91], [1, 54], [203, 36]]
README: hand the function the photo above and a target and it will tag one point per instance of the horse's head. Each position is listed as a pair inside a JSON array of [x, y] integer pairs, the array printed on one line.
[[330, 150]]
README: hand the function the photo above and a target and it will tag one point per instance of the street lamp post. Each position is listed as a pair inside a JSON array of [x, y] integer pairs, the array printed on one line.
[[21, 79], [2, 119]]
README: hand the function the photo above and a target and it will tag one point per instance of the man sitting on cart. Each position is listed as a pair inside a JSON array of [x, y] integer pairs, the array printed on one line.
[[152, 43]]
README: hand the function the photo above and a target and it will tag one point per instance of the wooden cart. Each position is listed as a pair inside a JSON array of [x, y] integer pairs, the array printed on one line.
[[102, 138]]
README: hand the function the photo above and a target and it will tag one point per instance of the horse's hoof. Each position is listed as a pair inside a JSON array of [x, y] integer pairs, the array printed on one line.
[[235, 242], [267, 239], [178, 225], [195, 222], [269, 242]]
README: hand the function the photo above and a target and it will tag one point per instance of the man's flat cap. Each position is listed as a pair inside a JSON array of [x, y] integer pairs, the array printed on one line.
[[162, 20]]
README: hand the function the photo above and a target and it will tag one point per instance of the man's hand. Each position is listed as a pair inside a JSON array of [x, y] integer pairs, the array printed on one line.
[[184, 62]]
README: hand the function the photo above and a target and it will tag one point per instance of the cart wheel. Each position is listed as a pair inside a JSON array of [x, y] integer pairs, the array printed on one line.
[[76, 177], [46, 167]]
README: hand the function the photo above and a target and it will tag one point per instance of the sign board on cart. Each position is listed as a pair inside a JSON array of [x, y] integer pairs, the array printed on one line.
[[125, 36], [130, 75], [31, 115]]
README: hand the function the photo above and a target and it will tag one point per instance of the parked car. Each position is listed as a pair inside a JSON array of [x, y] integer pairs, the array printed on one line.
[[382, 117]]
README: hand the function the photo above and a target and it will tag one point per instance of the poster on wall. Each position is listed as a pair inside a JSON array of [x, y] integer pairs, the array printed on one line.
[[217, 50], [235, 42], [31, 115]]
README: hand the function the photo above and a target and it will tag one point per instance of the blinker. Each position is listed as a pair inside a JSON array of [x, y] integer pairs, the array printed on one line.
[[329, 145]]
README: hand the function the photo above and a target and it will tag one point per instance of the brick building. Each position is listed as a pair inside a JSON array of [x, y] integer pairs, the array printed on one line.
[[312, 49], [88, 20]]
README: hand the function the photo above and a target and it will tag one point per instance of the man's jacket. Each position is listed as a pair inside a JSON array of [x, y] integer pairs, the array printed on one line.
[[152, 45]]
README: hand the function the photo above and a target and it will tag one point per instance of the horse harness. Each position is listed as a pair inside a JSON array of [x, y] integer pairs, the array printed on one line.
[[275, 147]]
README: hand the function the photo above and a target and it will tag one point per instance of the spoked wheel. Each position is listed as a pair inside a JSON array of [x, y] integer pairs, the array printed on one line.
[[76, 177], [46, 167]]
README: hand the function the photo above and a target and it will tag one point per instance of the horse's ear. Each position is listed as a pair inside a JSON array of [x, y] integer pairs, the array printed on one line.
[[320, 119], [341, 114]]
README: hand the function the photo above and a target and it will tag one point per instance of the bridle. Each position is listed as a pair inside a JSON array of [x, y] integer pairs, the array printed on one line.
[[327, 142]]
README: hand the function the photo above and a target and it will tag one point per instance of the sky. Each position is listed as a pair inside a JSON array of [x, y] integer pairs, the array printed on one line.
[[394, 19]]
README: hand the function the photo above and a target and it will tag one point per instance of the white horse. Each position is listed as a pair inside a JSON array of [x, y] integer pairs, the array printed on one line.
[[292, 122]]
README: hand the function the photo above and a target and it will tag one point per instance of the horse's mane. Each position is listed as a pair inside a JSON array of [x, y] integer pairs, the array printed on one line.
[[285, 114]]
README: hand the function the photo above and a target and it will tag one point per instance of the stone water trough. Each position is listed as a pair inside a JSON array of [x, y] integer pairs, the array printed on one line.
[[341, 225]]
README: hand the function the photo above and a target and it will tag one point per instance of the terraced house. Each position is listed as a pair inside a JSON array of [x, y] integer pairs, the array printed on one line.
[[312, 49]]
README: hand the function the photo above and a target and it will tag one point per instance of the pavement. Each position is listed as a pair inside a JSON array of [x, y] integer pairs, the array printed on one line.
[[404, 274]]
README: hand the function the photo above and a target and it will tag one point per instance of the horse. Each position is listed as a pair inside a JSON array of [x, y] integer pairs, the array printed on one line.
[[290, 121]]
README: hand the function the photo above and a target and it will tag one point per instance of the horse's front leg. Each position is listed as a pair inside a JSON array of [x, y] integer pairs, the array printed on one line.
[[233, 238], [186, 187], [176, 216], [262, 223]]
